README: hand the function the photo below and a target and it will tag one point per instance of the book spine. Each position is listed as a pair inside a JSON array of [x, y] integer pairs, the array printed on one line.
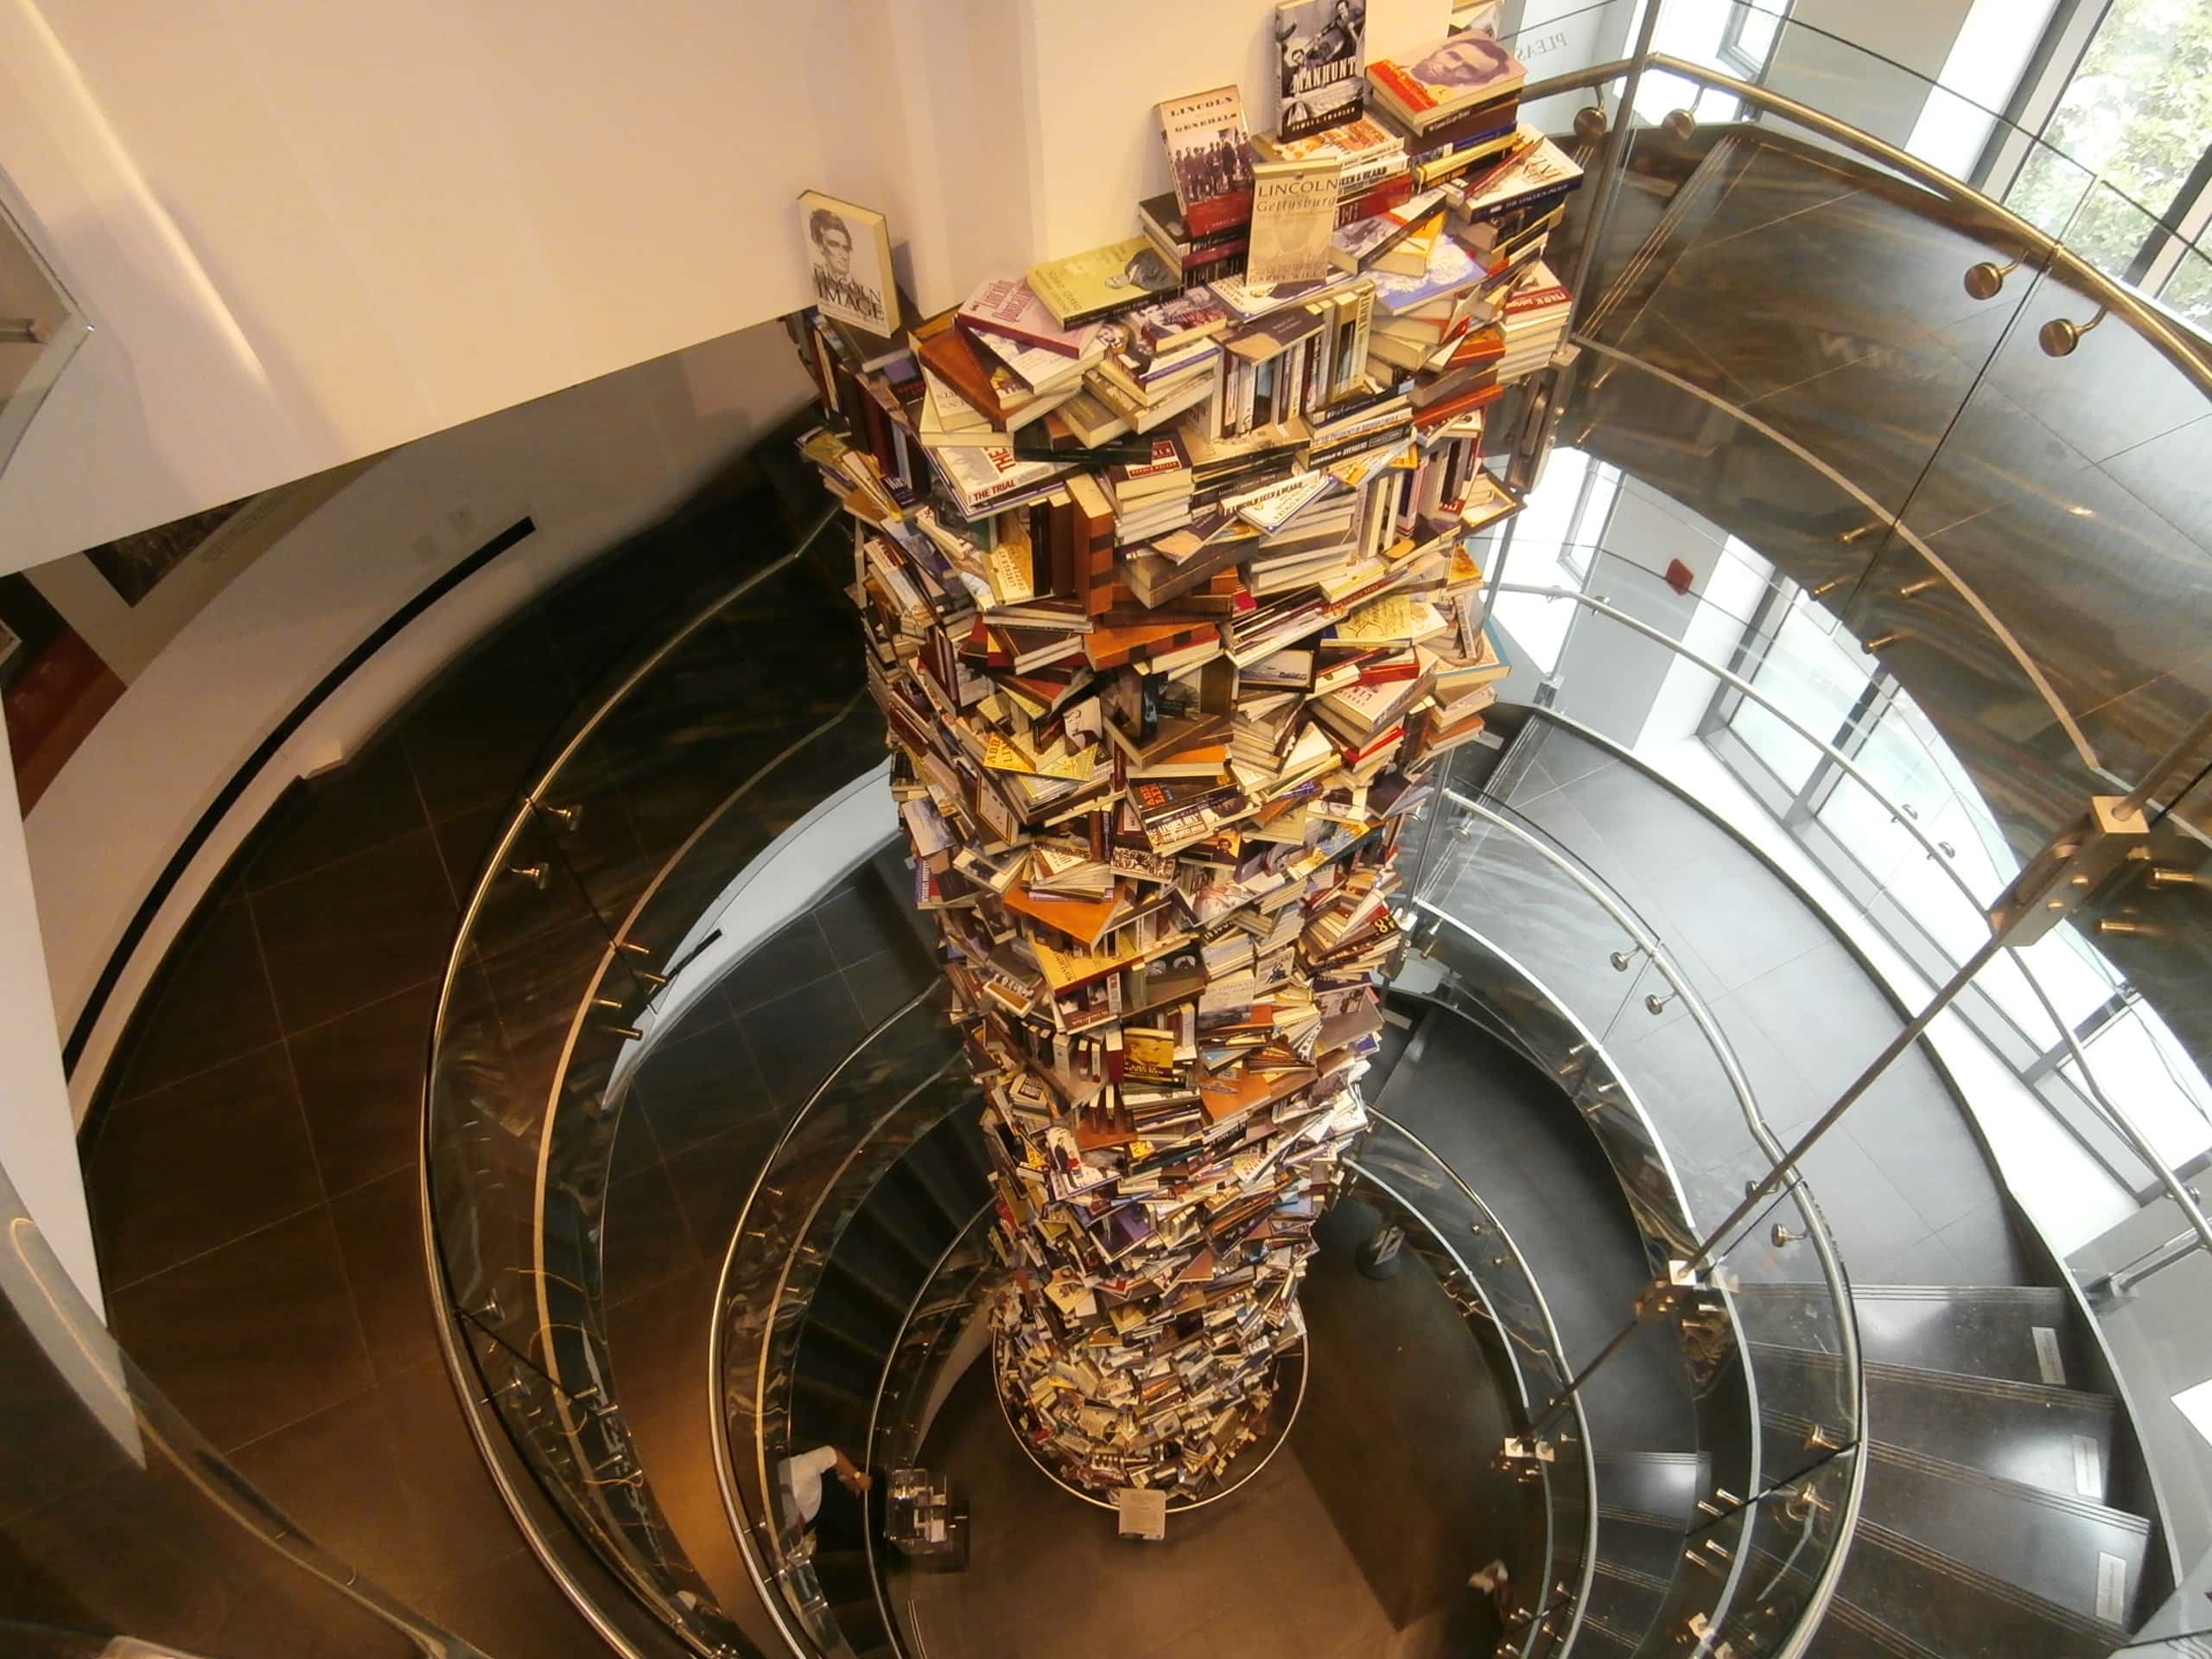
[[1362, 301]]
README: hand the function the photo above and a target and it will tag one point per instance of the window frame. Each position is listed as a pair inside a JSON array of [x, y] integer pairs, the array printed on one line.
[[1749, 66]]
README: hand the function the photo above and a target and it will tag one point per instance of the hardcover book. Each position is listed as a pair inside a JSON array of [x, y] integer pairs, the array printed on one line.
[[1294, 213], [1370, 153], [1320, 51], [1210, 157], [1439, 82], [849, 251], [1103, 282], [1005, 306]]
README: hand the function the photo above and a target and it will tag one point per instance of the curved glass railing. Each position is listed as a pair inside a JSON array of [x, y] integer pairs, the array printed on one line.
[[566, 964], [1890, 448], [1463, 1238], [1544, 951], [784, 1274]]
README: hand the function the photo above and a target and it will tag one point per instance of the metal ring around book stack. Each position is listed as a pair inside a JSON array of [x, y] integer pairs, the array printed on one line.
[[1175, 1505]]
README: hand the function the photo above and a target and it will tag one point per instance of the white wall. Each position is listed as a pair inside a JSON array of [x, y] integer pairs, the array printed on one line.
[[1856, 86], [588, 465], [307, 231], [38, 1143], [1611, 677]]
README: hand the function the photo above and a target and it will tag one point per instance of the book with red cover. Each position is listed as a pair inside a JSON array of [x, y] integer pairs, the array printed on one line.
[[1210, 158], [1009, 308]]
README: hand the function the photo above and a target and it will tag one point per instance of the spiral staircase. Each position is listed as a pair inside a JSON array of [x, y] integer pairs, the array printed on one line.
[[1760, 1457]]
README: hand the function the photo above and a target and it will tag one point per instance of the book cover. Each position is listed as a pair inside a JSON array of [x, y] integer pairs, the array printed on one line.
[[1294, 213], [1102, 281], [1535, 170], [1320, 53], [1210, 157], [1441, 79], [848, 251], [1358, 245], [1006, 308]]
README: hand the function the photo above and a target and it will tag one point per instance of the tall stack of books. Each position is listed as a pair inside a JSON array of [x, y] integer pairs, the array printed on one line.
[[1170, 610]]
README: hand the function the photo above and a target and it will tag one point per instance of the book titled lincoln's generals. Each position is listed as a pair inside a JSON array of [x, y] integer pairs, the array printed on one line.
[[1210, 156], [1294, 213], [1320, 56]]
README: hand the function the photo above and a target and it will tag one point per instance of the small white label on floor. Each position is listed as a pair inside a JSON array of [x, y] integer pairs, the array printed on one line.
[[2088, 1478], [2112, 1587], [2047, 1359]]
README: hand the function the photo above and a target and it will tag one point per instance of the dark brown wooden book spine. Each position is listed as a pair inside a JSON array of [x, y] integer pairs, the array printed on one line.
[[1059, 519]]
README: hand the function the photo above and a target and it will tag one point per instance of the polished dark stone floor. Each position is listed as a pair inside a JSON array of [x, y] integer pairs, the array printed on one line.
[[251, 1156]]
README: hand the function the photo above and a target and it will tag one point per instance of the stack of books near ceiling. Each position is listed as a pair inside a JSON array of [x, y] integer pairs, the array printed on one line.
[[1171, 607]]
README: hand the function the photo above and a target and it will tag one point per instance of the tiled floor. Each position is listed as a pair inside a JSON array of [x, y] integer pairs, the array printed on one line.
[[251, 1161]]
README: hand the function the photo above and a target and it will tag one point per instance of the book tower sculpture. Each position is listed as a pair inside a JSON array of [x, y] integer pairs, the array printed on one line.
[[1170, 615]]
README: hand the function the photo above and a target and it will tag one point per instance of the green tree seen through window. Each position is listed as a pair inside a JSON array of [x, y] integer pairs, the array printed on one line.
[[2139, 113]]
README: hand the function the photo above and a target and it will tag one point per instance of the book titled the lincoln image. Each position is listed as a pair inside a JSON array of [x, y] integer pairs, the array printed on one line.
[[849, 252]]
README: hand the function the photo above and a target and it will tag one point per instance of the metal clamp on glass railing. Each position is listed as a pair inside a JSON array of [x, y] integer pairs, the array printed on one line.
[[1549, 1453]]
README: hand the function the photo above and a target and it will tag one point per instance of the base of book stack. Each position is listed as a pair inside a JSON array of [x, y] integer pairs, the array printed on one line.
[[1170, 614], [1275, 1409]]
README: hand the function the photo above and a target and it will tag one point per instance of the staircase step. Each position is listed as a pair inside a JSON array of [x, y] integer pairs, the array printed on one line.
[[2023, 1333], [1949, 1608], [1626, 1598], [1604, 1641], [2080, 1555], [2059, 1440], [1660, 1487], [1639, 1545]]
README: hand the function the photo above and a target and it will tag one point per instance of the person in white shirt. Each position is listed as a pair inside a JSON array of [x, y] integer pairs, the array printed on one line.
[[804, 1473]]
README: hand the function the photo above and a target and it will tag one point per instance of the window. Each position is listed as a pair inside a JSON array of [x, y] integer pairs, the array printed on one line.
[[1552, 542], [1747, 40], [1815, 671], [2135, 111]]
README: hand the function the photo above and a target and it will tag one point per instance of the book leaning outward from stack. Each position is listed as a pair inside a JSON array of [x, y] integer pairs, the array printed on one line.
[[1294, 213], [1103, 282], [1321, 50]]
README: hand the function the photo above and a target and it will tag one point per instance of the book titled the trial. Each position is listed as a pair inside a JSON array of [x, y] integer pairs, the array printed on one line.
[[1210, 156], [1293, 214], [1320, 52]]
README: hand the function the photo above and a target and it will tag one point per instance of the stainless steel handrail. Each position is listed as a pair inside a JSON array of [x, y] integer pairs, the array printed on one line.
[[1591, 1046], [2185, 353], [1559, 1348], [740, 1524], [1739, 1084], [883, 1383], [2119, 1121], [459, 1365]]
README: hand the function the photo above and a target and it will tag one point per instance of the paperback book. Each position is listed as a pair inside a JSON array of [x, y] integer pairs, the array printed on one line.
[[1293, 214]]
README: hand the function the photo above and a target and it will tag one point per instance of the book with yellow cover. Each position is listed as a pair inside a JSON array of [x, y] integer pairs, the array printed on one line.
[[1102, 281]]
